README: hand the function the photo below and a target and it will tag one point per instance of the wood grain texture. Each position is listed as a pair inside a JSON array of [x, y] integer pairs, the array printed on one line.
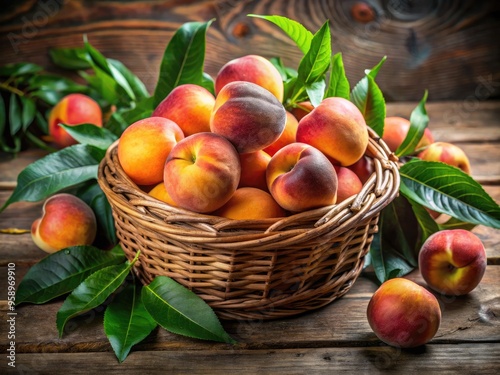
[[442, 359], [446, 47]]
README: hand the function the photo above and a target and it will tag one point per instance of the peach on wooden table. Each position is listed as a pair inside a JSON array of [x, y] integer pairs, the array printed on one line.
[[447, 153], [403, 314], [73, 109], [395, 130], [202, 172], [300, 177], [66, 221], [452, 261], [144, 147], [248, 115], [189, 106]]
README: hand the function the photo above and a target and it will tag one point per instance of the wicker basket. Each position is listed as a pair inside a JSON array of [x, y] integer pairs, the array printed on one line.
[[255, 269]]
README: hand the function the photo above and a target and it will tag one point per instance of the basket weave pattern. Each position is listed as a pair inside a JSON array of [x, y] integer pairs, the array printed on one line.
[[255, 269]]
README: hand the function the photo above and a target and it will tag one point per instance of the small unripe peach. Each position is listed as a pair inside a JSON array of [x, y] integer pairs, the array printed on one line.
[[66, 221], [73, 109]]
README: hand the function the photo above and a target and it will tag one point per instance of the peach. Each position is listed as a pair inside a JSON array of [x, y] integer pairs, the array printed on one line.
[[447, 153], [452, 261], [248, 203], [287, 137], [253, 169], [300, 177], [337, 128], [403, 314], [202, 172], [395, 131], [248, 115], [66, 221], [349, 183], [251, 68], [160, 192], [189, 106], [363, 168], [144, 146], [301, 109], [73, 109]]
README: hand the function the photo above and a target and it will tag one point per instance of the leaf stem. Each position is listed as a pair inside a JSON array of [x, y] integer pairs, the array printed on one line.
[[5, 85]]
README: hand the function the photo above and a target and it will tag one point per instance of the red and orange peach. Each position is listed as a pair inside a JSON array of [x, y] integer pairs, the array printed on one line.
[[447, 153], [73, 109], [202, 172], [287, 137], [300, 177], [253, 169], [66, 221], [395, 130], [144, 147]]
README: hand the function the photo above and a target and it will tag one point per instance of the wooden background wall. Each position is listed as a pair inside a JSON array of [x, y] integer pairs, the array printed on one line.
[[449, 47]]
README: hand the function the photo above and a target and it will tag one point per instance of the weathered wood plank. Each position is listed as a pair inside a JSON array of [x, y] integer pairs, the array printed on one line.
[[436, 359], [11, 166], [448, 48], [472, 318]]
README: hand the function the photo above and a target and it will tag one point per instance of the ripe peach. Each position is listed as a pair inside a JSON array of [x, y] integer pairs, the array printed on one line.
[[337, 128], [66, 221], [248, 115], [73, 109], [189, 106], [300, 177], [287, 137], [202, 172], [447, 153], [253, 169], [363, 168], [251, 68], [160, 192], [144, 147], [395, 131], [349, 183], [403, 313], [249, 203], [302, 109], [452, 261]]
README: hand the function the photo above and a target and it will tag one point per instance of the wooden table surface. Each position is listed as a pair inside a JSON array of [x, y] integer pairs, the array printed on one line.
[[334, 338]]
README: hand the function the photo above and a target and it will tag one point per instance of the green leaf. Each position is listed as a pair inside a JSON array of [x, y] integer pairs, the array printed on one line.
[[136, 85], [338, 85], [285, 72], [41, 121], [374, 71], [316, 91], [399, 230], [70, 58], [92, 292], [295, 30], [181, 311], [61, 272], [93, 195], [368, 97], [104, 85], [315, 63], [15, 114], [51, 97], [126, 321], [453, 223], [208, 82], [3, 117], [19, 69], [448, 190], [56, 171], [54, 82], [124, 117], [91, 135], [386, 261], [427, 224], [418, 122], [183, 59], [28, 112]]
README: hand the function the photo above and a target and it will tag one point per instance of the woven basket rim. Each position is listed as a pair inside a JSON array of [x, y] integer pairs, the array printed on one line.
[[377, 192]]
